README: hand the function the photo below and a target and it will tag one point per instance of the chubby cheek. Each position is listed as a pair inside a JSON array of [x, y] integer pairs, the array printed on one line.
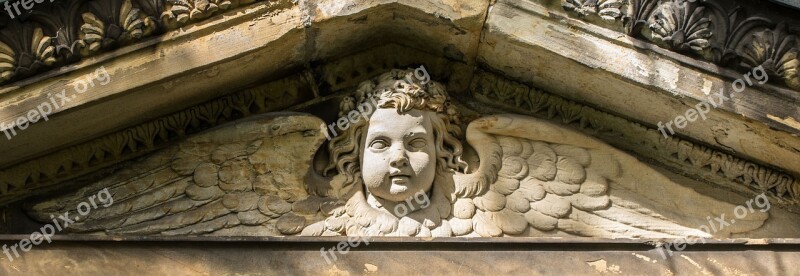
[[424, 166], [419, 161], [374, 171]]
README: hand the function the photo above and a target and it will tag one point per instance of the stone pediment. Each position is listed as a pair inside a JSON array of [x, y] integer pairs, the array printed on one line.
[[320, 62], [210, 125]]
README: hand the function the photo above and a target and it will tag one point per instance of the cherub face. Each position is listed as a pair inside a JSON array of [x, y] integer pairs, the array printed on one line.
[[399, 154]]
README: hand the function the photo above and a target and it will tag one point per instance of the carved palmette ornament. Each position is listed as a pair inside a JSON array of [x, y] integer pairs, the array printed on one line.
[[682, 26], [773, 50], [105, 26], [68, 30], [716, 31], [184, 11], [31, 51], [7, 62], [607, 9], [255, 177]]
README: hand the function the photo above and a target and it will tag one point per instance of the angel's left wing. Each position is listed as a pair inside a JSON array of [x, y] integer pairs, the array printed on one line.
[[536, 178], [249, 177]]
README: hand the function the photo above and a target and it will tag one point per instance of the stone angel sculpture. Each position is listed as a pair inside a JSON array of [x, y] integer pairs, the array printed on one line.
[[527, 177]]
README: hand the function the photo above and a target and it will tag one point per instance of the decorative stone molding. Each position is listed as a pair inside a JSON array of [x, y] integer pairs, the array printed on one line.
[[701, 162], [723, 32], [43, 173], [63, 32]]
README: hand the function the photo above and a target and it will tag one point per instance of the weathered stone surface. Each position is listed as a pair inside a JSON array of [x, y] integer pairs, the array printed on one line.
[[610, 71], [74, 125], [183, 62], [453, 32], [536, 177]]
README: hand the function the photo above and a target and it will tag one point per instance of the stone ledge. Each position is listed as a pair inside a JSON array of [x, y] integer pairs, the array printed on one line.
[[383, 256]]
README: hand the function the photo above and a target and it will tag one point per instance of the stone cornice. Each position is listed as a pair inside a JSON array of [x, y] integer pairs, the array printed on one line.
[[736, 34]]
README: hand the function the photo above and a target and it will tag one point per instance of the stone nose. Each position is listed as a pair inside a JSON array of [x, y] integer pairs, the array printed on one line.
[[399, 159]]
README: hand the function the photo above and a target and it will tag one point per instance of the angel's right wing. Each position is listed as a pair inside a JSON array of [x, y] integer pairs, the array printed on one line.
[[242, 178], [546, 179]]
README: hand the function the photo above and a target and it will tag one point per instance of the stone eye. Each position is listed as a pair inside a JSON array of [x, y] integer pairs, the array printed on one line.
[[378, 145], [418, 143]]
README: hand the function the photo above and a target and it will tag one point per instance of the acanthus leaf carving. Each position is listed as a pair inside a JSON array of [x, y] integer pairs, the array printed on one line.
[[734, 26], [60, 22], [43, 47], [638, 15]]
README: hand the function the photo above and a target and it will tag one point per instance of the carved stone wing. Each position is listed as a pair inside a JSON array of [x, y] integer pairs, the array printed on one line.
[[549, 180], [245, 178]]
